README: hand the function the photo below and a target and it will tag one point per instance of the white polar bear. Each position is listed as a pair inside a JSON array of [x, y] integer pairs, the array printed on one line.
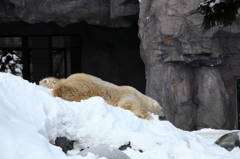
[[82, 86]]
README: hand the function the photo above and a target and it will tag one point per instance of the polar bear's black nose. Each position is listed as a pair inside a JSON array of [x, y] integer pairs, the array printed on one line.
[[162, 118]]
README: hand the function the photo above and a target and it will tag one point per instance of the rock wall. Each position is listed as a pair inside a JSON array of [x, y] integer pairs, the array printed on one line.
[[191, 71], [112, 13]]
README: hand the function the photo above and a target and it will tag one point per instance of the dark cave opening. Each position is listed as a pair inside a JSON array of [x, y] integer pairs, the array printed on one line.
[[47, 49]]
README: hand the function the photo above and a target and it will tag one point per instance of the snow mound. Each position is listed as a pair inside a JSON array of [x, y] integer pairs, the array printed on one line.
[[105, 151], [31, 119]]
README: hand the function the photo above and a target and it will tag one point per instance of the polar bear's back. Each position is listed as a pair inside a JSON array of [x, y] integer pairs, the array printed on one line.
[[112, 93], [89, 86], [82, 77]]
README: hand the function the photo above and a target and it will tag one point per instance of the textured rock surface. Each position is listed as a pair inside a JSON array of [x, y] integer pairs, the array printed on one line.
[[191, 71], [112, 13], [64, 143]]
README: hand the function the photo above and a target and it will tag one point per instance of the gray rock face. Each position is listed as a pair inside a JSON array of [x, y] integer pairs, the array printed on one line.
[[64, 143], [229, 140], [191, 71], [112, 13], [212, 97]]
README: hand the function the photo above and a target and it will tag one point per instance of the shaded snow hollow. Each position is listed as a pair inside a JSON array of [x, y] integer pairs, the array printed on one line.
[[31, 119]]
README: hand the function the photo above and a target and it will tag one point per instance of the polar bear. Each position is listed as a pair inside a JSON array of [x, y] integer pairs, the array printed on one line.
[[82, 86]]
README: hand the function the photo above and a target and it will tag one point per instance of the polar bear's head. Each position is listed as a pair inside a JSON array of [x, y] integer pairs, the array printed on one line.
[[158, 109], [49, 82]]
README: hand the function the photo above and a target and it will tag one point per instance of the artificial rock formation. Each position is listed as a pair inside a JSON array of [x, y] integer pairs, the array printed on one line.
[[190, 71], [112, 13]]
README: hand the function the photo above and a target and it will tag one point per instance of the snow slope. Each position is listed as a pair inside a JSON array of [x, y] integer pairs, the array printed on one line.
[[31, 119]]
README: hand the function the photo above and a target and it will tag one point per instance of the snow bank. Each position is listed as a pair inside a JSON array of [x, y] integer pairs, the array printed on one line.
[[31, 119]]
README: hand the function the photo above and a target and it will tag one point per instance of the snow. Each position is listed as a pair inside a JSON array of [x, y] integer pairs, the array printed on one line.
[[10, 63], [31, 119], [105, 151], [4, 59], [211, 3]]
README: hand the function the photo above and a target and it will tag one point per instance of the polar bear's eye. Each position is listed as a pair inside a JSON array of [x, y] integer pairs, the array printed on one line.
[[45, 81]]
